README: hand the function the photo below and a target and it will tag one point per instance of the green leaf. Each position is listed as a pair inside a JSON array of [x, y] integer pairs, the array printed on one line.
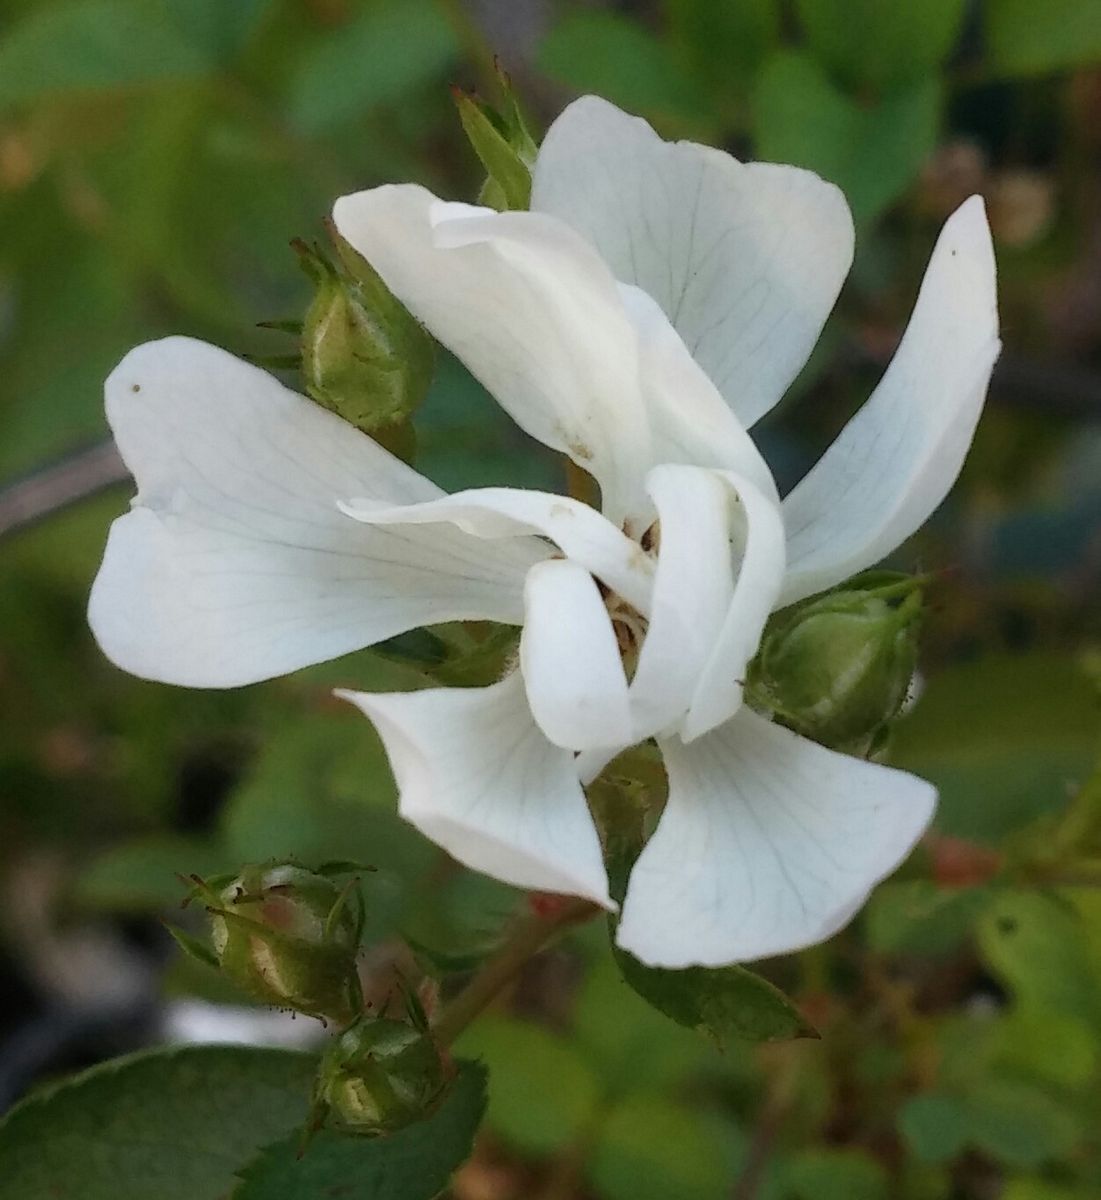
[[619, 59], [835, 1175], [871, 153], [1042, 1189], [651, 1148], [220, 29], [869, 42], [143, 874], [1048, 1046], [379, 57], [1024, 38], [725, 1003], [724, 44], [542, 1093], [1001, 738], [174, 1124], [414, 1163], [1020, 1125], [915, 916], [935, 1126], [321, 790], [1037, 945], [96, 45]]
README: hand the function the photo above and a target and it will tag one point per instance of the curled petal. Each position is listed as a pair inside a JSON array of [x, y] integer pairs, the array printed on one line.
[[768, 843], [570, 660], [746, 260], [758, 538], [476, 775], [235, 563], [580, 532], [532, 311], [693, 587], [897, 458]]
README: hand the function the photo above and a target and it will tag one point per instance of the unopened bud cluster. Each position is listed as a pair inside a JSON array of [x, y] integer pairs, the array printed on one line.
[[290, 937]]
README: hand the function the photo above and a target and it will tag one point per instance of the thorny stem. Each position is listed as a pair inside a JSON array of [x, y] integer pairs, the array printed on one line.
[[530, 935]]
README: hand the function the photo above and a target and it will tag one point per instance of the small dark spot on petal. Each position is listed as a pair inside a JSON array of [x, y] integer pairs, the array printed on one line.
[[135, 387]]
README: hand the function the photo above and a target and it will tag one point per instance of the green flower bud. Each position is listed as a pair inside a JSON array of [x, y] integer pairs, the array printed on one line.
[[289, 937], [838, 667], [379, 1076], [364, 356], [501, 140]]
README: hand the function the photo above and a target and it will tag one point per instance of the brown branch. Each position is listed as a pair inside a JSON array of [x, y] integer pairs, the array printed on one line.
[[56, 486]]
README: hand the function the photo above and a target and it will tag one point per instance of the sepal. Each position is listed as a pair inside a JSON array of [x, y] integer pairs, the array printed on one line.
[[501, 140]]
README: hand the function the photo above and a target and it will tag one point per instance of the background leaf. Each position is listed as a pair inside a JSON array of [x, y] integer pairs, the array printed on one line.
[[541, 1091], [93, 46], [935, 1126], [836, 1175], [1003, 740], [651, 1148], [866, 42], [724, 44], [622, 61], [872, 153], [379, 56], [1025, 39], [174, 1124]]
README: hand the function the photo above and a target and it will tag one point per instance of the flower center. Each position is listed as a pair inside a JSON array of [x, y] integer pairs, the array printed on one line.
[[628, 623]]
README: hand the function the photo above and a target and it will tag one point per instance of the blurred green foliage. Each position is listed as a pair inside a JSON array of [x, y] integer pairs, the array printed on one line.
[[156, 158]]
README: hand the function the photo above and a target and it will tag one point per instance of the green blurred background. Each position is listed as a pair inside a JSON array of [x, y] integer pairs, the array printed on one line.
[[156, 158]]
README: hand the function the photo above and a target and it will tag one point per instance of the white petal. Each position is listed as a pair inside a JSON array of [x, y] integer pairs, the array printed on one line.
[[581, 533], [693, 588], [746, 259], [532, 311], [235, 563], [897, 458], [477, 776], [768, 843], [570, 660], [759, 537], [690, 422]]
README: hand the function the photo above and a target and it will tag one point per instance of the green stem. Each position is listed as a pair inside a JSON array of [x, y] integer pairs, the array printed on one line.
[[529, 936]]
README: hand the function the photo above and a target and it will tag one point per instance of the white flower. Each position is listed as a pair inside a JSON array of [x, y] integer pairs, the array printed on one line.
[[658, 300]]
